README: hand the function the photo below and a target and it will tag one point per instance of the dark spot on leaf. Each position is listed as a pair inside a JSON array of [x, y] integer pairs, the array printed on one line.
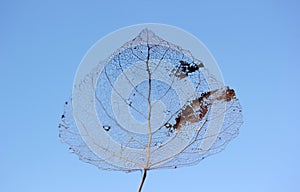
[[177, 119], [71, 150], [106, 127], [188, 68], [168, 125]]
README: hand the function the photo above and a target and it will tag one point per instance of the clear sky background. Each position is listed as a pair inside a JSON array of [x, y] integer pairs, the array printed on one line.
[[256, 44]]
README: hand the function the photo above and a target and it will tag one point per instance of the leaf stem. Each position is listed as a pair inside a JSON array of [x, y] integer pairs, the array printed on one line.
[[143, 180]]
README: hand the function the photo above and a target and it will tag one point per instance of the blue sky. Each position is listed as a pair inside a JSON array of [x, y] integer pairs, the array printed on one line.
[[256, 44]]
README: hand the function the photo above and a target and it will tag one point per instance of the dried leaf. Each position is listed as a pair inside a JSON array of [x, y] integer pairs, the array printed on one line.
[[150, 105]]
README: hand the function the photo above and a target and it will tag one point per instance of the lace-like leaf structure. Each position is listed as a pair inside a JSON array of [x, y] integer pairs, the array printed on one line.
[[150, 105]]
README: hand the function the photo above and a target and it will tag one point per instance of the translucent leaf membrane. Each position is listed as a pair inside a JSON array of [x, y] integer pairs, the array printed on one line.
[[149, 105]]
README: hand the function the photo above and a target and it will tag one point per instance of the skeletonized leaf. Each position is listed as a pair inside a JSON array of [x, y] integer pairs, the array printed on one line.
[[149, 105]]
